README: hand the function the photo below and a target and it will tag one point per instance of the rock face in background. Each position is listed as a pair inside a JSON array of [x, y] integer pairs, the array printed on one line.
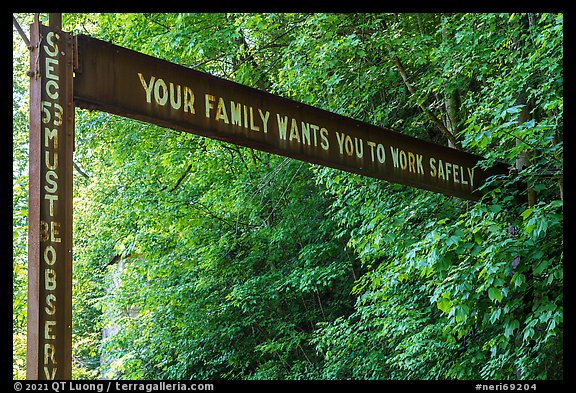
[[116, 268]]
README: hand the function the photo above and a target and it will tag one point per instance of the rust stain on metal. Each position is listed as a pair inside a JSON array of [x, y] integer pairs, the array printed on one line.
[[33, 314], [49, 346], [134, 85]]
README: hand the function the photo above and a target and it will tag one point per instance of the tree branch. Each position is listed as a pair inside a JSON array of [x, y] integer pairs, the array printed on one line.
[[424, 109], [20, 31], [181, 178], [206, 209], [80, 171]]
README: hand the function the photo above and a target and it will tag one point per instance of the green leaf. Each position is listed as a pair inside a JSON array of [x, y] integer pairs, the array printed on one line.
[[541, 266], [495, 315], [444, 304], [526, 213], [478, 238], [462, 312], [528, 333], [510, 327], [518, 279], [494, 294]]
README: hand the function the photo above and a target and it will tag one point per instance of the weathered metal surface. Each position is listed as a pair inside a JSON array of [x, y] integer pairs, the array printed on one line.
[[134, 85], [49, 341]]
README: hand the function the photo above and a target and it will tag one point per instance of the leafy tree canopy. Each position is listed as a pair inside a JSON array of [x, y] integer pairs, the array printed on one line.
[[198, 259]]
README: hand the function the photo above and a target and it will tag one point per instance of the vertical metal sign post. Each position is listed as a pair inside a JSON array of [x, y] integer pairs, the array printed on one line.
[[49, 340]]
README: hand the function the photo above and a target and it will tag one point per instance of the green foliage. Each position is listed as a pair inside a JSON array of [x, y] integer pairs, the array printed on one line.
[[199, 259]]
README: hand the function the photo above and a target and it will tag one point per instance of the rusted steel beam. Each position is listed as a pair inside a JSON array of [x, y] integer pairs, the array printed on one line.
[[55, 21], [33, 342], [134, 85], [49, 341]]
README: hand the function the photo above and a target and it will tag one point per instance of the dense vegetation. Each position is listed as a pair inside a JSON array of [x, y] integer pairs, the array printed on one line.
[[200, 259]]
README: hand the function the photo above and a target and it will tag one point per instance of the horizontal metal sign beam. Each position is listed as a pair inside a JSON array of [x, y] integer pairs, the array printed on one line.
[[138, 86]]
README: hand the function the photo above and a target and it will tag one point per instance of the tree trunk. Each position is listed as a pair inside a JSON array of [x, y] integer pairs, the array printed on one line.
[[451, 139], [451, 102], [523, 159]]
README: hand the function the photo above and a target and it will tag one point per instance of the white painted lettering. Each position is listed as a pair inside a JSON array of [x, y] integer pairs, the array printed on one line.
[[359, 147], [52, 198], [52, 48], [49, 352], [236, 113], [160, 98], [221, 113], [51, 178], [208, 99], [55, 232], [381, 153], [48, 335], [348, 145], [49, 279], [50, 255], [305, 133], [471, 176], [50, 307], [294, 134], [51, 134], [419, 164], [455, 173], [53, 94], [432, 167], [264, 119], [175, 99], [325, 144], [340, 138], [50, 63], [464, 181], [50, 375], [315, 129], [441, 170], [147, 87], [282, 126], [253, 127], [189, 100]]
